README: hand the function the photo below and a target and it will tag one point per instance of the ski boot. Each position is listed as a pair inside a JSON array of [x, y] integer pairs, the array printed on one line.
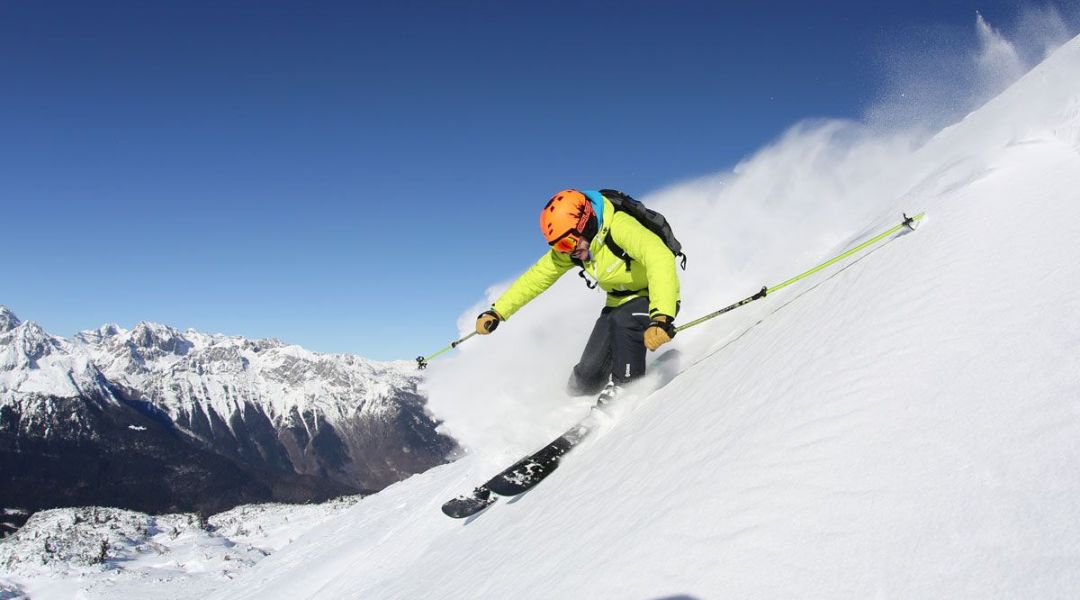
[[608, 396], [603, 412]]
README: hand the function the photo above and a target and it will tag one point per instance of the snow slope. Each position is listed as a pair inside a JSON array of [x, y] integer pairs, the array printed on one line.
[[905, 425]]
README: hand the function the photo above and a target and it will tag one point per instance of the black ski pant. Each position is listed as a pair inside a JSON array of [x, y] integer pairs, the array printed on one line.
[[616, 348]]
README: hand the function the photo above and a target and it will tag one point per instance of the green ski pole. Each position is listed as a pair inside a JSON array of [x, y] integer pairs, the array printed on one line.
[[727, 308], [422, 361], [908, 222]]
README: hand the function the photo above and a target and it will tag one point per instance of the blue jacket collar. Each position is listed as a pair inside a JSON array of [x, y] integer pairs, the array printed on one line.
[[597, 200]]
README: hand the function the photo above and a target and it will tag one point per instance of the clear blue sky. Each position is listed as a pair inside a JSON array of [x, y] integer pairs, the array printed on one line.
[[350, 175]]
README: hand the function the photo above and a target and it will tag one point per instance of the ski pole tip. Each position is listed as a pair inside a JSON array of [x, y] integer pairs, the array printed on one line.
[[913, 223]]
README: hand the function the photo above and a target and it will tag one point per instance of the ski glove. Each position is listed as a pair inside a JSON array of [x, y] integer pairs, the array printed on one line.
[[659, 332], [487, 322]]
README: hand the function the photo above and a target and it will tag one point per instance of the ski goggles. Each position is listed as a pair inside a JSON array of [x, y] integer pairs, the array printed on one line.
[[566, 242]]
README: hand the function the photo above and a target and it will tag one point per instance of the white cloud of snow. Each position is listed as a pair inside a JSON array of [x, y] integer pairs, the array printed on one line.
[[998, 62], [937, 75], [1041, 30]]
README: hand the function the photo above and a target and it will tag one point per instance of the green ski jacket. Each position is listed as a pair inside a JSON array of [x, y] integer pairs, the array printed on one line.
[[652, 270]]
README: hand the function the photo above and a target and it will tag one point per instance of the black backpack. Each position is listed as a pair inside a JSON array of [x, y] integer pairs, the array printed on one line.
[[652, 220]]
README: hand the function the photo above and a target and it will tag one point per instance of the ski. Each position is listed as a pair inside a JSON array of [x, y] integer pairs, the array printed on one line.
[[534, 468], [520, 476], [523, 475], [468, 505]]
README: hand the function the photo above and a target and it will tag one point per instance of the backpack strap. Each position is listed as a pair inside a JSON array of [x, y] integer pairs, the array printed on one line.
[[625, 293], [617, 250]]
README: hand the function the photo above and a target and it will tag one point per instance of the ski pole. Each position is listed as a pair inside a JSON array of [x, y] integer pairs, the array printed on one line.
[[727, 308], [908, 222], [422, 361]]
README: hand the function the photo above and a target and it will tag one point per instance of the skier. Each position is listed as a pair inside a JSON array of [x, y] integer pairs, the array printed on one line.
[[628, 261]]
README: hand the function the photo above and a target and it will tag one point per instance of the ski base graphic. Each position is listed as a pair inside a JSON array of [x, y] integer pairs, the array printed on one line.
[[518, 477]]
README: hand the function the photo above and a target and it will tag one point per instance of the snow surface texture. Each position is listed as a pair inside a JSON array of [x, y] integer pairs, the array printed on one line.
[[104, 553], [903, 425]]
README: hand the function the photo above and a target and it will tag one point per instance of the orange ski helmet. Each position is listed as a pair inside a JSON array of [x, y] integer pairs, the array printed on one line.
[[564, 219]]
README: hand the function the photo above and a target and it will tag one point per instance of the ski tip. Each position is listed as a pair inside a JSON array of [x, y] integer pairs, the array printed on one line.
[[462, 510], [469, 504]]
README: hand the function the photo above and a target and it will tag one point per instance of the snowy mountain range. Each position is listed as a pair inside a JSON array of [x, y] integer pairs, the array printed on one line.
[[159, 420]]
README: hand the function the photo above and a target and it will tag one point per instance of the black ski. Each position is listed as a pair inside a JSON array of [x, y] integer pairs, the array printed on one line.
[[531, 470], [518, 477], [523, 475]]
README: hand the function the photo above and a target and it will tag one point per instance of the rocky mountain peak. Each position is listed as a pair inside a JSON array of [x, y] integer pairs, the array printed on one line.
[[99, 335], [8, 320], [30, 341], [159, 339]]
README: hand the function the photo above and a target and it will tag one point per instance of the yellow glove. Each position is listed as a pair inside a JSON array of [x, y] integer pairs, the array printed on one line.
[[659, 332], [487, 322]]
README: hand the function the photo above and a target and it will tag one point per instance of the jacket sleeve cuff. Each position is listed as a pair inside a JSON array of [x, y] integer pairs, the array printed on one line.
[[655, 311], [503, 312]]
